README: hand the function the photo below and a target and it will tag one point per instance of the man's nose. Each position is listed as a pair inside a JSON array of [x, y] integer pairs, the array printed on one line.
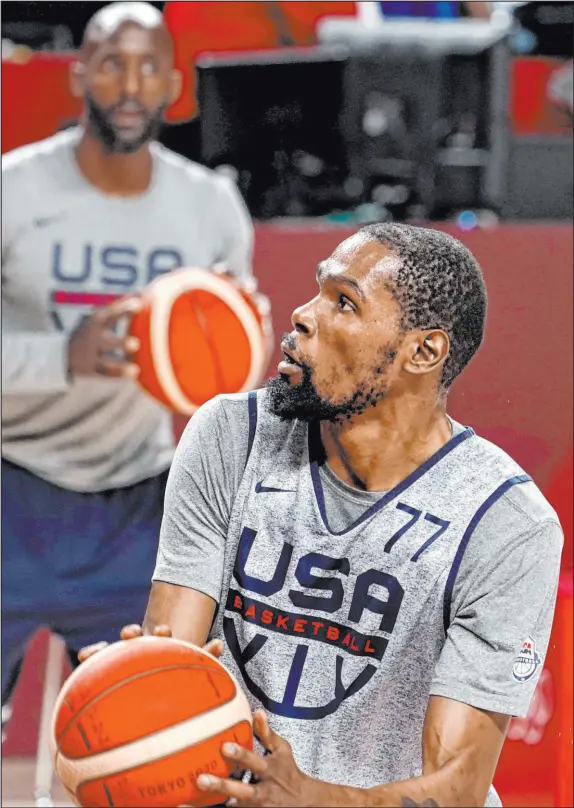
[[303, 319], [132, 82]]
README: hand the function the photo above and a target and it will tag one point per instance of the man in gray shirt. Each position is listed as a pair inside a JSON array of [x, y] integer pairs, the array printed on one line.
[[89, 218], [382, 578]]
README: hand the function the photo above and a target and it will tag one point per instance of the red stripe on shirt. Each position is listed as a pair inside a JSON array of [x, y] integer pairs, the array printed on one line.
[[84, 298]]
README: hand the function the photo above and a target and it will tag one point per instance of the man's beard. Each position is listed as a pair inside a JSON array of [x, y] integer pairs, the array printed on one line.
[[111, 138], [302, 401]]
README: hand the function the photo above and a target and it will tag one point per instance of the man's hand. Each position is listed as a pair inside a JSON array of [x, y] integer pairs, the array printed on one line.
[[461, 745], [278, 780], [215, 647], [92, 346]]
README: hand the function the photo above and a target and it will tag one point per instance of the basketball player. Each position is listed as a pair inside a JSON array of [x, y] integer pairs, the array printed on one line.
[[90, 217], [383, 579]]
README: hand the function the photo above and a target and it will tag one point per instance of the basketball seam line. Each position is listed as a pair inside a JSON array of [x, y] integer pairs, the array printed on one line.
[[208, 336], [77, 716], [160, 356], [159, 759], [174, 739]]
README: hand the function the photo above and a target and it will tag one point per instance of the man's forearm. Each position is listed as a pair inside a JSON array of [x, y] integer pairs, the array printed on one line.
[[187, 612], [448, 786]]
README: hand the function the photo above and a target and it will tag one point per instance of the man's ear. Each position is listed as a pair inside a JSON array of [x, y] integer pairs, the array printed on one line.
[[175, 84], [77, 79], [427, 351]]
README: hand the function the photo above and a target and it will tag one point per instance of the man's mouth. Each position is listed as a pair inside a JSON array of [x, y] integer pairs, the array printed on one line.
[[289, 352], [290, 367], [128, 116], [290, 359]]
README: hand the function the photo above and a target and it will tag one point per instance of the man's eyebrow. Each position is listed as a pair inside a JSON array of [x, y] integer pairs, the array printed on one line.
[[345, 280]]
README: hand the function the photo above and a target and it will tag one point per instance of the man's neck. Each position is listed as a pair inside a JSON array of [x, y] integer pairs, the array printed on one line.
[[114, 174], [378, 449]]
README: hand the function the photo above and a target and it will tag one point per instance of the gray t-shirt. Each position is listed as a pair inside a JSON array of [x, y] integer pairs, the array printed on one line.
[[67, 248], [343, 611]]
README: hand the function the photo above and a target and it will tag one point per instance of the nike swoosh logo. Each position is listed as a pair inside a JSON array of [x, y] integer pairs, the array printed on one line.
[[262, 489], [46, 220]]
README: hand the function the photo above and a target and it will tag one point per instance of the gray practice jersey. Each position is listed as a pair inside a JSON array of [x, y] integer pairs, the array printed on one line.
[[343, 611], [67, 248]]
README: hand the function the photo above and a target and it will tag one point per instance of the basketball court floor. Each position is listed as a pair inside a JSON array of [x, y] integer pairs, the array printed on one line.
[[18, 785]]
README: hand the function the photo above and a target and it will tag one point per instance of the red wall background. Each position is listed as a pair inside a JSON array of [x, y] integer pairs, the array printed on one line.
[[36, 99]]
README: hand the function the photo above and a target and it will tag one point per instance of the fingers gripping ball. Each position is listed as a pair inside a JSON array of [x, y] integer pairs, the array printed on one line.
[[137, 723], [199, 336]]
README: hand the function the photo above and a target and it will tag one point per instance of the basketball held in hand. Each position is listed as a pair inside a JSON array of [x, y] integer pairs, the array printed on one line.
[[200, 336], [137, 723]]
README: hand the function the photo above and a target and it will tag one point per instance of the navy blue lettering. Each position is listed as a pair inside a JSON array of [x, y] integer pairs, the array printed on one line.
[[79, 276], [161, 261], [415, 516], [304, 575], [442, 526], [120, 271], [389, 608], [251, 583]]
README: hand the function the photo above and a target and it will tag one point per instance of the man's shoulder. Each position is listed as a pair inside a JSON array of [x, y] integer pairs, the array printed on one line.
[[528, 507], [186, 172], [233, 406], [243, 413], [520, 530], [226, 414], [514, 499], [28, 158], [518, 492], [491, 454]]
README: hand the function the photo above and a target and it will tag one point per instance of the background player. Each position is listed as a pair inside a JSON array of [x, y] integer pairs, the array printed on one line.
[[91, 215], [384, 579]]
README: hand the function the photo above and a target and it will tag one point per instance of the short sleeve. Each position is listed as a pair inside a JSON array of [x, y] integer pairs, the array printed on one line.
[[202, 484], [237, 229], [501, 614], [16, 189]]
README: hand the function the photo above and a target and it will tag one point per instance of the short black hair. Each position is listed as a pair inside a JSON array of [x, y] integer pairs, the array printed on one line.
[[438, 284]]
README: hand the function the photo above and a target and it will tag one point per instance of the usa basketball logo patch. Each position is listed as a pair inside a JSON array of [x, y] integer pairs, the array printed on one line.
[[526, 662]]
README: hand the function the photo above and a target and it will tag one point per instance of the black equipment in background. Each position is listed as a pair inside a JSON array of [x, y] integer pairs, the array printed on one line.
[[24, 23], [277, 119], [401, 123], [551, 25], [536, 168], [404, 120], [421, 109]]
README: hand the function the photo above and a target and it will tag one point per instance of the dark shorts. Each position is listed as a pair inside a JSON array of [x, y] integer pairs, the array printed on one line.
[[80, 564]]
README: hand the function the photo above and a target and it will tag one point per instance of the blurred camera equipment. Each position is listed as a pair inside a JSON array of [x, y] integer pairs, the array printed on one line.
[[396, 118], [422, 110], [536, 174], [278, 120]]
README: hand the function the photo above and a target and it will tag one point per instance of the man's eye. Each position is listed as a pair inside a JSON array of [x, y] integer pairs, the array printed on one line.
[[111, 64], [149, 68], [345, 304]]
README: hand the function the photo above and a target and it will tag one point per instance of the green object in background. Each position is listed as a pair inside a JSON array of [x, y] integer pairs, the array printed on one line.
[[341, 217]]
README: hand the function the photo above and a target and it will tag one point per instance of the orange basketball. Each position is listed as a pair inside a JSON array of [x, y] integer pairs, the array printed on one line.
[[137, 723], [199, 336]]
